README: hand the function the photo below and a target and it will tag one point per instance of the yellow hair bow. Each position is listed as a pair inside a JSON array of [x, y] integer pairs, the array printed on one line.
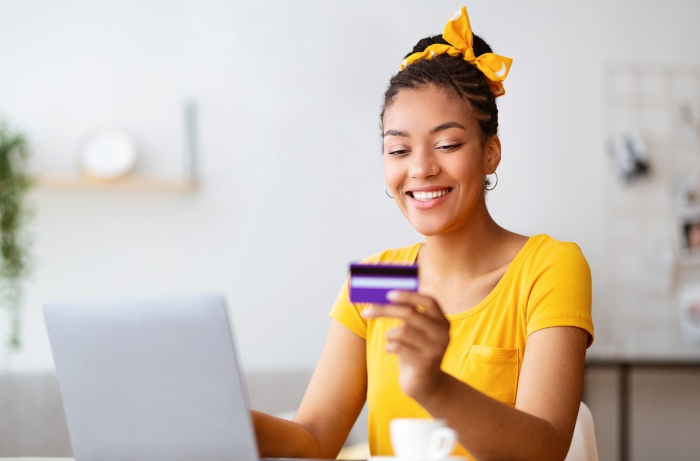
[[458, 33]]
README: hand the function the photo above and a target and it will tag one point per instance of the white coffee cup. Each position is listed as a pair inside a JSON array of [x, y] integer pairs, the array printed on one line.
[[421, 439]]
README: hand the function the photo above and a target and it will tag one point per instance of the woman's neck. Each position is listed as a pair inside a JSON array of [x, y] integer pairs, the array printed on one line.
[[471, 252]]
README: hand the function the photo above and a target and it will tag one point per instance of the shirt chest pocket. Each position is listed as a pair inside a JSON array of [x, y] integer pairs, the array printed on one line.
[[493, 371]]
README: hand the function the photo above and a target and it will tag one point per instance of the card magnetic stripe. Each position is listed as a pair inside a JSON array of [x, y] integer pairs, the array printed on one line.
[[387, 270]]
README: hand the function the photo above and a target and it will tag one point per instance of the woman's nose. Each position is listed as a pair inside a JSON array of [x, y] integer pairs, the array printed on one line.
[[423, 165]]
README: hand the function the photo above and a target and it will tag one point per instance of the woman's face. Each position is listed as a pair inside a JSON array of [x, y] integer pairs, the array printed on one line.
[[434, 160]]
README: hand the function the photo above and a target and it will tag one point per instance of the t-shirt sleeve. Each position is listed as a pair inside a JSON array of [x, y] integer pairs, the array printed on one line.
[[561, 291], [348, 313]]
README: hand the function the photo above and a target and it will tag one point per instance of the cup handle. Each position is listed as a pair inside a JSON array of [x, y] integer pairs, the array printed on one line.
[[442, 441]]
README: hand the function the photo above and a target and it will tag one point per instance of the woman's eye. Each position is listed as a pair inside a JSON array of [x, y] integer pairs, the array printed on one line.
[[449, 147], [398, 152]]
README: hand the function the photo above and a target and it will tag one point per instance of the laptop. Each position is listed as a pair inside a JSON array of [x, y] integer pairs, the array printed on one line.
[[151, 379]]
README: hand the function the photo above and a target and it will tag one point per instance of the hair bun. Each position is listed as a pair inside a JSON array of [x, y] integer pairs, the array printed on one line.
[[424, 43]]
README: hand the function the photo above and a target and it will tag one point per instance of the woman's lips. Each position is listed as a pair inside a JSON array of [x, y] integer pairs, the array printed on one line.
[[425, 196], [426, 199]]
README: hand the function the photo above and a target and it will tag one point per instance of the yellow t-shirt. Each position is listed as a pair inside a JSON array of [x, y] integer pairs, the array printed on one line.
[[547, 284]]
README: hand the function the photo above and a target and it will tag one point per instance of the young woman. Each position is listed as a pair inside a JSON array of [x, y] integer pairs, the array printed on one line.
[[494, 341]]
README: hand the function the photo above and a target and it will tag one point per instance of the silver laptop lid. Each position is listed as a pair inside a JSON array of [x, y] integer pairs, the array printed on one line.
[[151, 379]]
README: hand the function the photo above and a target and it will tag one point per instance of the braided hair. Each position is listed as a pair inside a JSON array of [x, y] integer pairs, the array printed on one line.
[[451, 73]]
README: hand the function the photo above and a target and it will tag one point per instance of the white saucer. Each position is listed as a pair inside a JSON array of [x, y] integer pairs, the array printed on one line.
[[395, 458]]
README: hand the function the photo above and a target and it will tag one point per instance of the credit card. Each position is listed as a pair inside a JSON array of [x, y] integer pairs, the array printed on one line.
[[369, 283]]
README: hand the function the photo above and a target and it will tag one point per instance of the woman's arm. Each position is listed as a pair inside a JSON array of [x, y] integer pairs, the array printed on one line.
[[331, 404], [542, 423], [549, 388]]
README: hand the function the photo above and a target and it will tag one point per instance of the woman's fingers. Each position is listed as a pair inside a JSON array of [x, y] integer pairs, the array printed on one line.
[[411, 298], [419, 341], [424, 329], [412, 307], [421, 344], [431, 326]]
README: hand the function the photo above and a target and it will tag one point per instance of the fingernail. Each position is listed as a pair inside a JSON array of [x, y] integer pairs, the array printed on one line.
[[367, 312], [392, 295]]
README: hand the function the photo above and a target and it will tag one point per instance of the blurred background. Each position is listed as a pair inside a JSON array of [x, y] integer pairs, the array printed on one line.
[[600, 130]]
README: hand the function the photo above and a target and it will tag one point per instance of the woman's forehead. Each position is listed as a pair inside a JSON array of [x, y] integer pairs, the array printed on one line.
[[427, 106]]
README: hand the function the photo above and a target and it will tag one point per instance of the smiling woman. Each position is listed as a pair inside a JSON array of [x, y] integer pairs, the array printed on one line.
[[494, 340]]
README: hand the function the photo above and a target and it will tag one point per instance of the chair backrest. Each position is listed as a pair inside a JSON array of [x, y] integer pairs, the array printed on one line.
[[583, 447]]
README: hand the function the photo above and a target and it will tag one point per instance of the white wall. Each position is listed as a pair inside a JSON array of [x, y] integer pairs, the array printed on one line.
[[289, 94]]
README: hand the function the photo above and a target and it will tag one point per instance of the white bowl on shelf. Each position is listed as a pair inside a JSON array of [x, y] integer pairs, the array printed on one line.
[[107, 155]]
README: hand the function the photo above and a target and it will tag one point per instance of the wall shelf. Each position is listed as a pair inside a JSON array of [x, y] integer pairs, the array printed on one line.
[[128, 184], [189, 182]]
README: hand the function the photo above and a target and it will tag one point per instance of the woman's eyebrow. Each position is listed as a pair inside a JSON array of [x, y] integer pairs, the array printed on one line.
[[395, 133], [441, 127], [445, 126]]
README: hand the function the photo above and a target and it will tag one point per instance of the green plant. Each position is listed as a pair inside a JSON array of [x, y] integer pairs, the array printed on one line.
[[14, 243]]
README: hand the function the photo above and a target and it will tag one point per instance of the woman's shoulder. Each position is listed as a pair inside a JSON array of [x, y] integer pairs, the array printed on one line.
[[544, 243], [401, 255], [545, 250]]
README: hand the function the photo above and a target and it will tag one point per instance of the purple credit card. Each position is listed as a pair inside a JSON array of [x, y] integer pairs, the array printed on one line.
[[369, 283]]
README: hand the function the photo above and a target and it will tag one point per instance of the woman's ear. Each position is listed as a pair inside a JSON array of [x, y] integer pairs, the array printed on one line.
[[492, 154]]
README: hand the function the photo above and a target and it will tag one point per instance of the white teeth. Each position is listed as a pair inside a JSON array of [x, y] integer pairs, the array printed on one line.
[[425, 196]]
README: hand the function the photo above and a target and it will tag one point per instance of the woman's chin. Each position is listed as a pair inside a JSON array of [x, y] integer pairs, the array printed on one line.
[[430, 223], [428, 229]]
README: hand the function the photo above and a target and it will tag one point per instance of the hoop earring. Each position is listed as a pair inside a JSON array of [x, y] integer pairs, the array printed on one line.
[[487, 182], [386, 191]]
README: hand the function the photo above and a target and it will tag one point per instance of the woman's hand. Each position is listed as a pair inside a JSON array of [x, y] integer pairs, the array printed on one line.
[[420, 341]]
